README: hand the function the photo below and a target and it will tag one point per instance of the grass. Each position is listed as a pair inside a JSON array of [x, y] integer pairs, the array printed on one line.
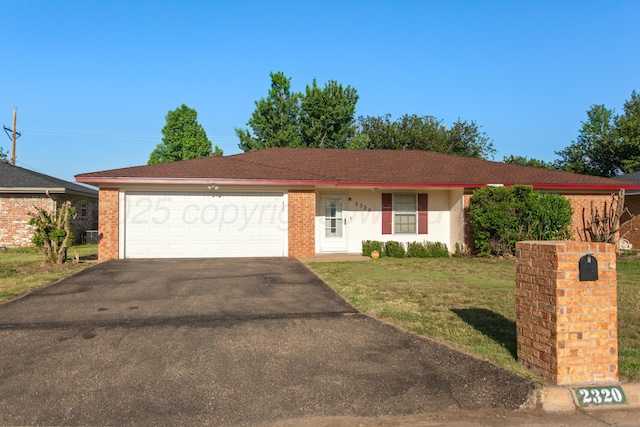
[[629, 318], [467, 303], [24, 269]]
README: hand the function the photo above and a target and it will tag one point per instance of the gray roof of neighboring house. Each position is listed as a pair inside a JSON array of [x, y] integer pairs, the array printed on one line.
[[14, 179], [633, 177]]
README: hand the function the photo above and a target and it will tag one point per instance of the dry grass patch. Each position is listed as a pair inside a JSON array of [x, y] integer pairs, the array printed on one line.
[[24, 269]]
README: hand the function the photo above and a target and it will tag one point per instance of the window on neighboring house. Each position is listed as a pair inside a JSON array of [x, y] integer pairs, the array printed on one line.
[[405, 212], [83, 208]]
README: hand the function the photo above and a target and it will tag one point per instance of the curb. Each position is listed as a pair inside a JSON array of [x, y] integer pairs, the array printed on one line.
[[564, 399]]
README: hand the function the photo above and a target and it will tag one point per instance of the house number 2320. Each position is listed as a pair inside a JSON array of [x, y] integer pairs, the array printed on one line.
[[588, 396], [361, 206]]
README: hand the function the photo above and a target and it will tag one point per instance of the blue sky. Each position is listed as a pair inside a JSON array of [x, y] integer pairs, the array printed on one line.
[[93, 80]]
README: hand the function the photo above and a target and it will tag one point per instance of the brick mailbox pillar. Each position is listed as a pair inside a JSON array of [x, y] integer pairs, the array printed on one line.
[[567, 324]]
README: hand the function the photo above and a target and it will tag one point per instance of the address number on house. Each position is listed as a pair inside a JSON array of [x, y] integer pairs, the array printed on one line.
[[596, 396]]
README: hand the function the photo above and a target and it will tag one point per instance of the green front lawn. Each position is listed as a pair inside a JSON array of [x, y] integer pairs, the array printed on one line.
[[467, 303], [24, 269]]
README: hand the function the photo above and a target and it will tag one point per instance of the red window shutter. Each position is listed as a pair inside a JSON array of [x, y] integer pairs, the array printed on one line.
[[423, 214], [387, 213]]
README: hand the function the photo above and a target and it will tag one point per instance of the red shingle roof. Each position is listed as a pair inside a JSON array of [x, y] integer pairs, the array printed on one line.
[[350, 167]]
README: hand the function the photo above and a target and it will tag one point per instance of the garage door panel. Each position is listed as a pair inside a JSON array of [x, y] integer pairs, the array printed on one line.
[[255, 231], [156, 231], [176, 249], [137, 232], [202, 225], [215, 249], [176, 231], [156, 250], [236, 249], [196, 248], [195, 232]]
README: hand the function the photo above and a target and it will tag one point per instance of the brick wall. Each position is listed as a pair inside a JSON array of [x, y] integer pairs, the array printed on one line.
[[582, 202], [108, 230], [15, 230], [566, 328], [302, 224], [630, 230]]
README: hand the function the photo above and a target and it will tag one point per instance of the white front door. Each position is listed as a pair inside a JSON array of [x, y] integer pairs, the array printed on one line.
[[334, 226]]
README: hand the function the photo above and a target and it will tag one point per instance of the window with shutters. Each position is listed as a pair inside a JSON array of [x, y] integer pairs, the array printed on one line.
[[405, 212]]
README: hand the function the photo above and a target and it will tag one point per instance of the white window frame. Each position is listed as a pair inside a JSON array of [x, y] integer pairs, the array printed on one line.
[[397, 213]]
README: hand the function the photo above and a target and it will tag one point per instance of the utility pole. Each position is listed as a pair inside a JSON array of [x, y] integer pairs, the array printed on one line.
[[13, 138], [14, 135]]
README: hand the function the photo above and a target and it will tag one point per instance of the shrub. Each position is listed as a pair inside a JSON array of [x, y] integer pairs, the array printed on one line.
[[461, 251], [416, 250], [369, 246], [427, 250], [502, 216], [394, 249], [52, 231], [437, 250]]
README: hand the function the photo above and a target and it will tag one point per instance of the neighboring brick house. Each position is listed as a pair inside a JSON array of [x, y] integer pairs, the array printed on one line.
[[630, 226], [23, 190], [299, 202]]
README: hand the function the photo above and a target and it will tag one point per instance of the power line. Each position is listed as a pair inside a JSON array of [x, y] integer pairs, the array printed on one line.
[[101, 134]]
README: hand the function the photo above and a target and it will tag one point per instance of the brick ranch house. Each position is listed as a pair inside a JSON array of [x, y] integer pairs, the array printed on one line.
[[23, 190], [299, 202]]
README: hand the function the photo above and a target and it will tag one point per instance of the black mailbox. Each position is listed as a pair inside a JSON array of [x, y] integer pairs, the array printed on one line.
[[588, 268]]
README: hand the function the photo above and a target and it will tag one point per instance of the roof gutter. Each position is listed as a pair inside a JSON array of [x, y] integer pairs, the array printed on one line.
[[47, 191]]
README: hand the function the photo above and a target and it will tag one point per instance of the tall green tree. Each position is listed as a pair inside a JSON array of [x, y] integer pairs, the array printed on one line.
[[596, 150], [276, 119], [524, 161], [327, 115], [466, 139], [379, 132], [183, 138], [628, 131], [3, 156], [607, 144], [412, 132]]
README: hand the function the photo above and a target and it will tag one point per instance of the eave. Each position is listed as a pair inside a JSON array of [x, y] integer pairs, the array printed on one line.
[[43, 190]]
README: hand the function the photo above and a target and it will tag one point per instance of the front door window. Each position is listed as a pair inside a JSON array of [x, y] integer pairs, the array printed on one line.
[[333, 217]]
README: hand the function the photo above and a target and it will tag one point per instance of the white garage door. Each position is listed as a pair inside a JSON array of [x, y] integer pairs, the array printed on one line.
[[199, 225]]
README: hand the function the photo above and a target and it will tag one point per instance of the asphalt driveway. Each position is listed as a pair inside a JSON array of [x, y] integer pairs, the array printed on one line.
[[221, 342]]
